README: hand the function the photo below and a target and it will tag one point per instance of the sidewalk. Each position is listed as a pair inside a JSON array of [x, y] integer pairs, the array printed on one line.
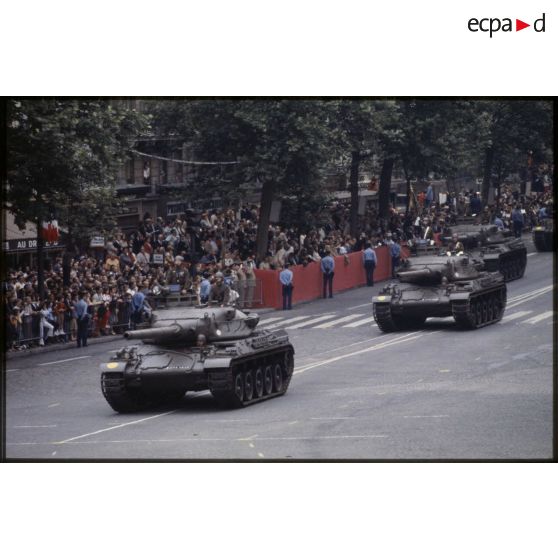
[[90, 341]]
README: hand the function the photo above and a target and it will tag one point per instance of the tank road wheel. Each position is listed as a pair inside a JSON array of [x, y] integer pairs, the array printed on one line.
[[248, 386], [484, 308], [268, 380], [491, 310], [478, 313], [239, 387], [258, 383], [277, 378]]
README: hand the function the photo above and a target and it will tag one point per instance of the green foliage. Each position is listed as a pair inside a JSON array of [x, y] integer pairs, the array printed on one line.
[[63, 156]]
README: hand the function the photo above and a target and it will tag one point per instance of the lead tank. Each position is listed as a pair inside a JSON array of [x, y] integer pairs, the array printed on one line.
[[194, 349], [440, 286], [543, 236], [496, 248]]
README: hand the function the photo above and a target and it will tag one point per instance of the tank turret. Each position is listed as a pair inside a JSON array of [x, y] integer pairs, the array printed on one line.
[[193, 349], [440, 286], [183, 326]]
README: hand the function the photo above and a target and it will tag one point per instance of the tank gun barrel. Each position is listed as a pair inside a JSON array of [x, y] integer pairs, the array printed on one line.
[[161, 333], [425, 274]]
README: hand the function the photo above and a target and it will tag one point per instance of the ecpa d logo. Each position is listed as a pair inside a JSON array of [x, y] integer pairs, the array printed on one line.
[[494, 24]]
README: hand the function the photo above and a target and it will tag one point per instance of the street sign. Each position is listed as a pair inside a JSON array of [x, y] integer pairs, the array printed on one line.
[[97, 242]]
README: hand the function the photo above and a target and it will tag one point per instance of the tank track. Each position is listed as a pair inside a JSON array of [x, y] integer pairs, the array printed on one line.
[[480, 309], [254, 378], [388, 323], [543, 241], [120, 397], [511, 266]]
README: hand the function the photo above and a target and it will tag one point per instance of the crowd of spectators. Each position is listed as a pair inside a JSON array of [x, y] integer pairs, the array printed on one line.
[[194, 257]]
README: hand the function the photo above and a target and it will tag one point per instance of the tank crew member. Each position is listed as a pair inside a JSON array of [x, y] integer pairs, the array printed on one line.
[[395, 252], [82, 320], [369, 260], [219, 291], [456, 246], [286, 279], [327, 266], [498, 222], [201, 340]]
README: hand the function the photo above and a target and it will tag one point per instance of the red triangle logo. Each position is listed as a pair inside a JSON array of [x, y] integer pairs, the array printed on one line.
[[519, 25]]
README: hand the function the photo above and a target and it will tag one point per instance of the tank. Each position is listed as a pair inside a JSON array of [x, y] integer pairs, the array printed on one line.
[[440, 286], [543, 236], [195, 349], [497, 249]]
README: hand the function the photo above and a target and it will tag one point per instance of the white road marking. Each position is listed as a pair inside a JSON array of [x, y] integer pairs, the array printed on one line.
[[114, 427], [425, 416], [37, 426], [197, 439], [528, 298], [530, 293], [515, 315], [391, 341], [361, 322], [313, 321], [539, 318], [359, 306], [65, 360], [260, 454], [338, 321], [13, 370], [334, 418], [269, 320], [53, 405], [531, 254], [289, 321]]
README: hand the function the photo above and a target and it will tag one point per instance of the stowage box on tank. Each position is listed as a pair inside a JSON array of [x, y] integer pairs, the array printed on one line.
[[440, 286], [194, 349]]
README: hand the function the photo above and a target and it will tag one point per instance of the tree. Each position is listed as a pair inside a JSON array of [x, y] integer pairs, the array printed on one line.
[[511, 132], [62, 160], [279, 143]]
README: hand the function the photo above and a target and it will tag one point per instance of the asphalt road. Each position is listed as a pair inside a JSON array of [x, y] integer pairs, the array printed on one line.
[[436, 393]]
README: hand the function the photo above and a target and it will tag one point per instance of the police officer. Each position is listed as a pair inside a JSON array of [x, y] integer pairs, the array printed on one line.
[[369, 260], [286, 279], [82, 320], [327, 265]]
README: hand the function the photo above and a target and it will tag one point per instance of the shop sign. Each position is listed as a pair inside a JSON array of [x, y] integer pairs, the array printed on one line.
[[26, 244], [97, 242]]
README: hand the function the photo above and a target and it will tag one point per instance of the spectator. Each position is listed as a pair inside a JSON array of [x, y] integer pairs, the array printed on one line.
[[82, 317], [518, 221]]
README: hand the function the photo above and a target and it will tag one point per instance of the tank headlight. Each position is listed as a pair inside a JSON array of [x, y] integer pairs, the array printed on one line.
[[218, 332]]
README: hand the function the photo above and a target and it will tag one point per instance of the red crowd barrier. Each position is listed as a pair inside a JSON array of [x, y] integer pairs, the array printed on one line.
[[308, 283]]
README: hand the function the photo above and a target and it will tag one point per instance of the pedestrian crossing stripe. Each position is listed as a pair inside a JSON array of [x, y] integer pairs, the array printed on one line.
[[328, 321], [339, 321], [311, 322]]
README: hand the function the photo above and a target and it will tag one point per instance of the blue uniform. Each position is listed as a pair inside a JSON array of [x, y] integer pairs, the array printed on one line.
[[327, 265], [286, 280], [369, 259]]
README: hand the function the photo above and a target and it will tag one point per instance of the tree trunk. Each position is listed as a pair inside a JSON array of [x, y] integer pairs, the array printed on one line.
[[263, 225], [40, 261], [353, 187], [385, 188], [408, 204], [488, 160]]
